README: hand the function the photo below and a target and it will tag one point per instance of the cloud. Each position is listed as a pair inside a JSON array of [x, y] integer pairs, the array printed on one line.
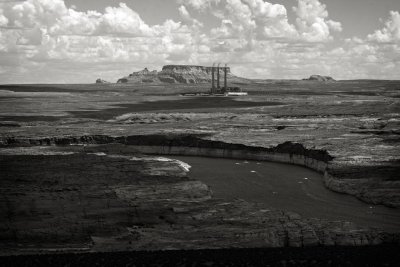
[[56, 19], [312, 21], [3, 19], [258, 20], [271, 19], [184, 13], [45, 40], [390, 32], [58, 31], [201, 5], [123, 20]]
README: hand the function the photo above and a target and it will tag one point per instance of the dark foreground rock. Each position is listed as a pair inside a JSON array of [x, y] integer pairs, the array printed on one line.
[[313, 256]]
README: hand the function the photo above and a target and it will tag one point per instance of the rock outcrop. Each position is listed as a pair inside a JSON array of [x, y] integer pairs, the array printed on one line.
[[186, 74], [143, 76], [99, 80], [320, 78]]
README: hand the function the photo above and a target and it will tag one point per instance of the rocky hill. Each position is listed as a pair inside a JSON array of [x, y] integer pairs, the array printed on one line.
[[99, 80], [186, 74], [319, 78]]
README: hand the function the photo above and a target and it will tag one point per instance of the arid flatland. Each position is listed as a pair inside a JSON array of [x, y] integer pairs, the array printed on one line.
[[74, 175]]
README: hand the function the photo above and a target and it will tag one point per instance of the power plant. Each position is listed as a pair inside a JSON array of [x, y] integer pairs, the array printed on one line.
[[225, 90], [216, 88]]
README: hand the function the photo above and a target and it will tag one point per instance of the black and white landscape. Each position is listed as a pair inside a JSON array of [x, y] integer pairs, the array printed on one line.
[[208, 132]]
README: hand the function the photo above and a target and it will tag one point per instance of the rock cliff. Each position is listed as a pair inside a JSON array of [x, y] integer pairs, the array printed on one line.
[[168, 141], [186, 74]]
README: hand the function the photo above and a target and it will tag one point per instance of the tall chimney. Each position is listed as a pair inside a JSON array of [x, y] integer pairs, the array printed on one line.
[[225, 71], [218, 75], [213, 78]]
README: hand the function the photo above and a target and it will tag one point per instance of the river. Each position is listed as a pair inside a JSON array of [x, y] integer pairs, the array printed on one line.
[[287, 187]]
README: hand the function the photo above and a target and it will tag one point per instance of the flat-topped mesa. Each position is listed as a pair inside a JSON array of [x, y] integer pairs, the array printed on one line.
[[191, 69], [320, 78], [177, 74]]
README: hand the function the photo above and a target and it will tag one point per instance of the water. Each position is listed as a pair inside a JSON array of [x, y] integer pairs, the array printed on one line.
[[287, 187]]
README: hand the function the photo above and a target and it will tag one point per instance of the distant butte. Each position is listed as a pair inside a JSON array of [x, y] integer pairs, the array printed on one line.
[[320, 78], [101, 81]]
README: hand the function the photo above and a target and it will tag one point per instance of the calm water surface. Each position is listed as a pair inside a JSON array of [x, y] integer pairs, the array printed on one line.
[[287, 187]]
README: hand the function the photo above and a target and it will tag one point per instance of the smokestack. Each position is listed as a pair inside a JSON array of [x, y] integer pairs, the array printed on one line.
[[225, 71], [218, 75], [213, 78]]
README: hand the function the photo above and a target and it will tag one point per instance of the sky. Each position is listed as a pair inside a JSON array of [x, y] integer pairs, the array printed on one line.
[[75, 41]]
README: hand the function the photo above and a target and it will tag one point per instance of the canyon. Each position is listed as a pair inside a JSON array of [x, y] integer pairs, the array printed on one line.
[[111, 197], [87, 165]]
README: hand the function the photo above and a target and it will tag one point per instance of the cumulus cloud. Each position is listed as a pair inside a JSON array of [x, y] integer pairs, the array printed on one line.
[[390, 32], [44, 39], [58, 30], [123, 20], [199, 4], [54, 17], [3, 19], [271, 19], [312, 21], [258, 19], [184, 13]]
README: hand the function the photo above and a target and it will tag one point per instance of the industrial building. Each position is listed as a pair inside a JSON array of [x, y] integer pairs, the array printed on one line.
[[225, 90]]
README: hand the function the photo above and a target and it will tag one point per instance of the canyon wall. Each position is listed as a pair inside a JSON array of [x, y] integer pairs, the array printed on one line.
[[301, 160], [193, 145], [196, 145]]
